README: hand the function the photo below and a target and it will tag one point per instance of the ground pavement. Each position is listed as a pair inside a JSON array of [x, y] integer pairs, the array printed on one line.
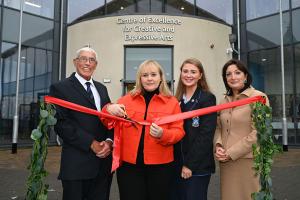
[[13, 175]]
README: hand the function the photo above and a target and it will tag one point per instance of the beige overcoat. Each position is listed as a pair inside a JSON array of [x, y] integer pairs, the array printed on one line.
[[236, 133]]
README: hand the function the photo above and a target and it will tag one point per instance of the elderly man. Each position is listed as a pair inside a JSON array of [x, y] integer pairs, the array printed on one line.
[[87, 144]]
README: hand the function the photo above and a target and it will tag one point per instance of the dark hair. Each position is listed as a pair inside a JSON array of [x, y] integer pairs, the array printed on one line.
[[242, 67]]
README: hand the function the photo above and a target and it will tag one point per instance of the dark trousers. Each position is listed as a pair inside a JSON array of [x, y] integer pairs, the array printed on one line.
[[90, 189], [194, 188], [144, 182]]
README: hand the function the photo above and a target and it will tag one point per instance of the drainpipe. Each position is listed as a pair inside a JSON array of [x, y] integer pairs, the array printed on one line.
[[284, 123], [16, 116]]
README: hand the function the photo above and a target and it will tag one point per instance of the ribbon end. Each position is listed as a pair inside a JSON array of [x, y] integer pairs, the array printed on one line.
[[46, 99], [115, 165], [263, 99]]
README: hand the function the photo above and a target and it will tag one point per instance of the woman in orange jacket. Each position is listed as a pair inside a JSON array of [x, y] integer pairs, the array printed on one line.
[[147, 151]]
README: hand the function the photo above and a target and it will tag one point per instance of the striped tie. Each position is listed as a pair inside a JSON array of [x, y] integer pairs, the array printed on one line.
[[89, 91]]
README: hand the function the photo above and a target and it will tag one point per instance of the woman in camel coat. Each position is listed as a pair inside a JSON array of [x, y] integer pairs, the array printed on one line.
[[235, 135]]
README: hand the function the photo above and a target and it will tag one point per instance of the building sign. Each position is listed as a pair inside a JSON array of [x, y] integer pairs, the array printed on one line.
[[148, 28]]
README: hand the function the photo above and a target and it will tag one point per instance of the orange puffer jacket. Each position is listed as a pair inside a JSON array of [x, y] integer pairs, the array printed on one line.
[[156, 151]]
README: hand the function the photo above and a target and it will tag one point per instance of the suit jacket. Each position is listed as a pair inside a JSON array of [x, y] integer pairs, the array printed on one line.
[[156, 151], [236, 133], [196, 148], [235, 130], [78, 130]]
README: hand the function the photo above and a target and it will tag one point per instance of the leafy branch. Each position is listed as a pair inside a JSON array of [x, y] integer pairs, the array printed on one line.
[[264, 150], [36, 189]]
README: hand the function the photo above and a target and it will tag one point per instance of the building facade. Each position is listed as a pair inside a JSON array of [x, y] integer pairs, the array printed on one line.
[[124, 33], [260, 49], [39, 61]]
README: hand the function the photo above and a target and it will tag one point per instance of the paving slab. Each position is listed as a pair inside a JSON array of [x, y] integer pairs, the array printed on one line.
[[14, 173]]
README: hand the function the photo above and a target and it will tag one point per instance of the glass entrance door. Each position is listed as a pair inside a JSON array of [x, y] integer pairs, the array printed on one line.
[[134, 56], [265, 67]]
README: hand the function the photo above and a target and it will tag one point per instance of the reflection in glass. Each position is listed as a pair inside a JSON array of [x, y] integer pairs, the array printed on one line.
[[36, 31], [8, 87], [40, 59], [13, 4], [180, 7], [265, 67], [30, 62], [265, 32], [35, 79], [43, 8], [295, 108], [136, 55], [36, 59], [260, 8], [149, 6], [213, 9], [297, 61], [297, 98], [296, 27], [23, 64], [10, 33], [143, 6], [156, 6], [7, 46], [295, 3], [78, 8], [0, 16], [121, 7], [220, 8]]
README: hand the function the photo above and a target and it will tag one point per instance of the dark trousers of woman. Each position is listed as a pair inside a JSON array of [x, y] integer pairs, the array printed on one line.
[[144, 182], [194, 188]]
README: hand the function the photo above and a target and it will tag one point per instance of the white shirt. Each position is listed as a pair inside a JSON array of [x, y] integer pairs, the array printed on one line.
[[93, 88], [185, 99]]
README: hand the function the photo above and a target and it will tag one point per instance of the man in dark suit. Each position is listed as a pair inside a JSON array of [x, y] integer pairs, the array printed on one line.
[[87, 143]]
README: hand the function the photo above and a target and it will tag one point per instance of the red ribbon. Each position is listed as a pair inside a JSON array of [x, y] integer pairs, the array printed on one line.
[[120, 122], [76, 107], [207, 110]]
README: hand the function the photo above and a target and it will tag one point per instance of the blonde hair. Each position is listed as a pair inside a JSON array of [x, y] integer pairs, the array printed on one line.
[[163, 87], [202, 83]]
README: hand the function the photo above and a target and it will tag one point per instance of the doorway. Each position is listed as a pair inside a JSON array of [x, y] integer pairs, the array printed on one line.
[[135, 55]]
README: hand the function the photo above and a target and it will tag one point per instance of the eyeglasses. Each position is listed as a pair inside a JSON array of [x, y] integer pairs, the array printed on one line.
[[85, 59]]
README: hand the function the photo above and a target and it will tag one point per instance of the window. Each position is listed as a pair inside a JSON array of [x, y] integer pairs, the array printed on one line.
[[36, 31], [10, 33], [265, 67], [134, 56], [180, 7], [260, 8], [220, 8], [121, 7], [43, 8], [77, 8], [296, 27], [156, 6], [295, 3], [265, 32]]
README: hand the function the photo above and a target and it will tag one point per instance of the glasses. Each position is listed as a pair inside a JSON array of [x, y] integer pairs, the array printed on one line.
[[85, 59]]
